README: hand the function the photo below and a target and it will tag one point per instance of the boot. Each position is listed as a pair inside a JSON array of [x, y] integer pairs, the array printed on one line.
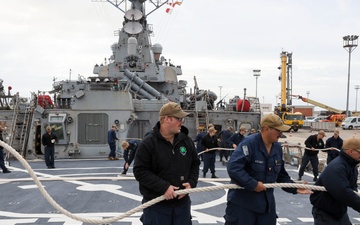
[[315, 178], [204, 175], [299, 179], [213, 176]]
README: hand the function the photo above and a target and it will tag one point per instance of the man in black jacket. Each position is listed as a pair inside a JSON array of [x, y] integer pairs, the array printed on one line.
[[313, 143], [208, 142], [48, 140], [340, 181], [166, 160], [223, 136], [129, 148], [333, 142]]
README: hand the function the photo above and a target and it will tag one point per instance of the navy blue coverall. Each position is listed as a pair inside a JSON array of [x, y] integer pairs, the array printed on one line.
[[249, 164]]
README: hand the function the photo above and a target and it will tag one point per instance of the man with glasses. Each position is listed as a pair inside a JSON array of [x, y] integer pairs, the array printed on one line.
[[340, 181], [166, 160], [313, 144], [258, 159], [333, 142]]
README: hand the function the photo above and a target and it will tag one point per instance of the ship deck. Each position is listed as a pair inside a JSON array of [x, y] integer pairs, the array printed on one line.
[[93, 189]]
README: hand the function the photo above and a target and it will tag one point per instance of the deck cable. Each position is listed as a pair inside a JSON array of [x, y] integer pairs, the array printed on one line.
[[145, 205]]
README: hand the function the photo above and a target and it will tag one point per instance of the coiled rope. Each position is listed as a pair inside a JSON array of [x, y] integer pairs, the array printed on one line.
[[145, 205]]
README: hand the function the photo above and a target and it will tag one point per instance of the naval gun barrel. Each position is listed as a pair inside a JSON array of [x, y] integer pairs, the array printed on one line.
[[140, 86]]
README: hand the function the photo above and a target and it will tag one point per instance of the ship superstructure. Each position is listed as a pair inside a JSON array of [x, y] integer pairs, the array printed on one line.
[[128, 90]]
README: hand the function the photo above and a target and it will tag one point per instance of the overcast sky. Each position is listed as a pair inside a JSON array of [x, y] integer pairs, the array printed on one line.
[[219, 42]]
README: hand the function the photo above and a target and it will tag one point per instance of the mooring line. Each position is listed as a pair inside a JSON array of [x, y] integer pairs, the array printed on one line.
[[145, 205]]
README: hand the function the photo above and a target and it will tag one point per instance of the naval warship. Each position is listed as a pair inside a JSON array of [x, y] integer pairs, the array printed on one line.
[[127, 90]]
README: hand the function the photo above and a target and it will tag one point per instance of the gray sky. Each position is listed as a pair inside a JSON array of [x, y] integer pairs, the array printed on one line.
[[219, 42]]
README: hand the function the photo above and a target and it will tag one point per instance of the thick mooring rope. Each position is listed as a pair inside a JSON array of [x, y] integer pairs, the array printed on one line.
[[145, 205], [285, 144]]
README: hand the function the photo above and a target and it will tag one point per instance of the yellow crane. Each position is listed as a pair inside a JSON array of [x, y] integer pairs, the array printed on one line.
[[337, 116], [284, 110]]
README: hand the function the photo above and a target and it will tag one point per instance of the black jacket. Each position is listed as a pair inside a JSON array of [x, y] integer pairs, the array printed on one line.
[[339, 179], [209, 142], [46, 139], [312, 142], [129, 153], [159, 164], [333, 142]]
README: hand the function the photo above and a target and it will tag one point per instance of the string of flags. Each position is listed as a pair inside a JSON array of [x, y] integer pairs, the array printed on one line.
[[172, 5]]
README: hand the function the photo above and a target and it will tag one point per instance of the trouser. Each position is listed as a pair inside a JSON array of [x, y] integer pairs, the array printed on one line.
[[323, 218], [2, 162], [209, 162], [224, 153], [49, 156], [169, 215], [126, 158], [314, 160], [112, 150], [236, 215]]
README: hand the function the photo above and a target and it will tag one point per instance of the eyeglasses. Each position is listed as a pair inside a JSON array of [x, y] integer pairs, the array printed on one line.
[[181, 120], [276, 130], [357, 150]]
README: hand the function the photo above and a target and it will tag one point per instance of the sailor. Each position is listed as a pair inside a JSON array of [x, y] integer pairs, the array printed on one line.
[[112, 142], [312, 143], [223, 136], [209, 141], [2, 163], [48, 140], [165, 161], [197, 140], [257, 160], [333, 142], [129, 148], [340, 181], [236, 138]]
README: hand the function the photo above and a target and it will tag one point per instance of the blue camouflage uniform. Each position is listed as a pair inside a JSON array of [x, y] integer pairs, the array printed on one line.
[[249, 164]]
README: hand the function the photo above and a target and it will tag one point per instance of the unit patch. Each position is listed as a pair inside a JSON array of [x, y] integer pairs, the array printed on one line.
[[183, 150], [245, 150]]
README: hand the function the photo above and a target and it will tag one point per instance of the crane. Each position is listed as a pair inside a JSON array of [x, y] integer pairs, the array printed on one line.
[[337, 115], [284, 110]]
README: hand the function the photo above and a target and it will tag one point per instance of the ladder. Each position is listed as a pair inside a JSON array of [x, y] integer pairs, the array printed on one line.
[[20, 125], [14, 119], [202, 115]]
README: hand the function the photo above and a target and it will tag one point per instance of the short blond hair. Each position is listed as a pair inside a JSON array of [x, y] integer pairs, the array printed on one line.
[[124, 144]]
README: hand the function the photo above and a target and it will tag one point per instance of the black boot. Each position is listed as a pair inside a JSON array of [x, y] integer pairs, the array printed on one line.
[[204, 175], [213, 176], [315, 178]]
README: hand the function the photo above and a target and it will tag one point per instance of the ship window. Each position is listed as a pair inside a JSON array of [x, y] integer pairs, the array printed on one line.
[[92, 128], [58, 130]]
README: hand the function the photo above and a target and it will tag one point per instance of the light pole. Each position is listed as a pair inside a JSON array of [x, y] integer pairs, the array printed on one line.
[[356, 88], [220, 91], [307, 94], [350, 42], [256, 75]]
